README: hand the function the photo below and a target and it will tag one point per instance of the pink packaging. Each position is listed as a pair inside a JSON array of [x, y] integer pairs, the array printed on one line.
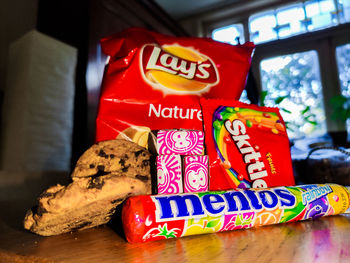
[[196, 173], [169, 174], [181, 142]]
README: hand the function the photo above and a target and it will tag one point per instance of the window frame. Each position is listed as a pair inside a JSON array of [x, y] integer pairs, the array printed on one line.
[[324, 41], [232, 24], [210, 27], [202, 25]]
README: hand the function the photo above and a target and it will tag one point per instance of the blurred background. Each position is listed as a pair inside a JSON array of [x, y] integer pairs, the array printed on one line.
[[301, 65]]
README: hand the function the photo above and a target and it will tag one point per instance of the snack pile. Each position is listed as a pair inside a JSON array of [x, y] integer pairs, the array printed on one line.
[[169, 120]]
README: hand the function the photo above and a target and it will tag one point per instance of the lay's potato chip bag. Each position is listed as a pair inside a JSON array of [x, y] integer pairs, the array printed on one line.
[[154, 81]]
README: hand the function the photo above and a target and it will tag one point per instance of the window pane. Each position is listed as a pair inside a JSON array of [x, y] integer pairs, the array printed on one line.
[[321, 14], [292, 83], [290, 20], [232, 34], [298, 18], [244, 97], [344, 6], [262, 27], [343, 60]]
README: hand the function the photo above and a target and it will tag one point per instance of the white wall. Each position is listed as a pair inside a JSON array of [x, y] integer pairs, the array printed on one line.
[[16, 18]]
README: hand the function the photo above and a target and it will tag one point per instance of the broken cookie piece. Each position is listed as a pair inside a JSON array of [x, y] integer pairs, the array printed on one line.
[[95, 192]]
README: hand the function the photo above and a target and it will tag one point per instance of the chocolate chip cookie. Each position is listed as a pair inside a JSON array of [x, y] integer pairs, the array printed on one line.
[[121, 156], [105, 175]]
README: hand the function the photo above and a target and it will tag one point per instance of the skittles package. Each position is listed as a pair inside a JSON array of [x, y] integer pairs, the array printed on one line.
[[247, 145], [154, 81]]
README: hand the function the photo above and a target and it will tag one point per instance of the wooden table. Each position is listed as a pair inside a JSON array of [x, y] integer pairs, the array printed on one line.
[[323, 240]]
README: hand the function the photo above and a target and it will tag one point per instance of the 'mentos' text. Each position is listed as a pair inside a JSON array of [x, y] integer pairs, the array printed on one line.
[[186, 206], [255, 167]]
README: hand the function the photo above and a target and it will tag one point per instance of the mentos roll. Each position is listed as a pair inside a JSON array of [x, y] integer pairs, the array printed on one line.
[[156, 217]]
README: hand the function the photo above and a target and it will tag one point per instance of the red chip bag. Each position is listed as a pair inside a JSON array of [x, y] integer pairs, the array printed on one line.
[[247, 145], [153, 81]]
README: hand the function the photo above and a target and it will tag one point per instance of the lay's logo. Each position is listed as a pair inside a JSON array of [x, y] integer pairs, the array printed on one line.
[[175, 69]]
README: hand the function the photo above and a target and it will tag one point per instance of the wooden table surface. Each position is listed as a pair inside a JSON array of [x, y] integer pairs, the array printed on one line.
[[323, 240]]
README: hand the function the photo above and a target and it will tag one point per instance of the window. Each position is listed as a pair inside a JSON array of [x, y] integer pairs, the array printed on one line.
[[344, 10], [292, 82], [320, 14], [290, 21], [343, 61], [297, 19], [232, 34], [262, 27], [244, 97], [289, 79], [287, 21]]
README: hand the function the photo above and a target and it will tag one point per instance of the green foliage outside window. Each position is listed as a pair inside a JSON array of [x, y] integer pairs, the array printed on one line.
[[292, 83], [341, 103]]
